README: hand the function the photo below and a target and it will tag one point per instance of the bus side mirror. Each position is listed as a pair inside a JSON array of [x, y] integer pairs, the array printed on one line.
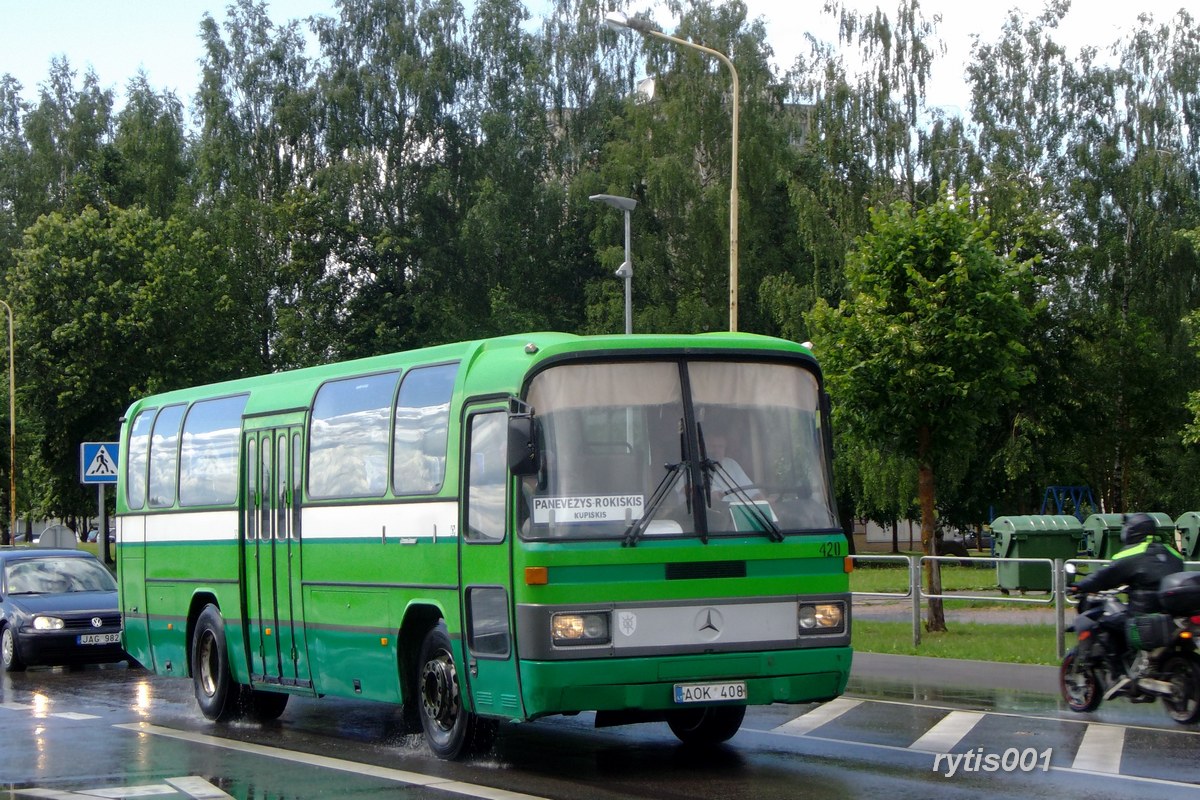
[[522, 445]]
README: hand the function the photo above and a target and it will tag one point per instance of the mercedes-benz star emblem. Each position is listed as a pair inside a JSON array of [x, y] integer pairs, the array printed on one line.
[[708, 623]]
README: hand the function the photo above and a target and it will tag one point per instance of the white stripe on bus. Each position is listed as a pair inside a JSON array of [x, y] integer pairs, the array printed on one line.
[[393, 521]]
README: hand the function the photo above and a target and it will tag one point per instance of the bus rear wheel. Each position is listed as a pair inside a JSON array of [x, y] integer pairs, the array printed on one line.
[[706, 726], [216, 693], [451, 731]]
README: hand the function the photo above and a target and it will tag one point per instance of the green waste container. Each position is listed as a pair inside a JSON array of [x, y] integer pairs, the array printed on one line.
[[1102, 533], [1044, 536], [1188, 528]]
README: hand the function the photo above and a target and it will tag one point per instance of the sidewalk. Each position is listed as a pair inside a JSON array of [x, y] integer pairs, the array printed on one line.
[[921, 674], [890, 610]]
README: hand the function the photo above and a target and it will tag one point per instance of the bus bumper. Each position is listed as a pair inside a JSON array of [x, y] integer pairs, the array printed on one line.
[[786, 676]]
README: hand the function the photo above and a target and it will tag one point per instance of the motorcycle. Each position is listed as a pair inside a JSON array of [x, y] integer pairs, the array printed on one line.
[[1160, 661]]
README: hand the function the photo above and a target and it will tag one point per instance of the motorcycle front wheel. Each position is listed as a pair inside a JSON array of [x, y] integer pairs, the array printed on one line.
[[1079, 684], [1183, 704]]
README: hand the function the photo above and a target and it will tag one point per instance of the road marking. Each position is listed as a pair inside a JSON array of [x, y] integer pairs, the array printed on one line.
[[194, 787], [949, 731], [367, 770], [145, 790], [1100, 750], [75, 715], [818, 716], [197, 788], [16, 706], [1107, 761]]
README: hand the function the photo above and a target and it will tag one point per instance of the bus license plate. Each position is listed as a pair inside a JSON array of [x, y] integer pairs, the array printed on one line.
[[99, 638], [710, 692]]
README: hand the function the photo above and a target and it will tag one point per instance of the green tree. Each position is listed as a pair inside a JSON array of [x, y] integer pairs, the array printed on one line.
[[926, 348], [863, 136], [254, 155], [390, 90], [150, 145], [109, 306], [69, 132]]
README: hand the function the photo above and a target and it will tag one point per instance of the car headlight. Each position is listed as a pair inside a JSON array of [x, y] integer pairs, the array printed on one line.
[[820, 617], [47, 624], [579, 629]]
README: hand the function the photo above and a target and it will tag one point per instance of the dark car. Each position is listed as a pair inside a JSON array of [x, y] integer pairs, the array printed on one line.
[[57, 607]]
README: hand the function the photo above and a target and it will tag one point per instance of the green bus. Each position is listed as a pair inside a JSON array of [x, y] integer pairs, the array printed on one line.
[[642, 526]]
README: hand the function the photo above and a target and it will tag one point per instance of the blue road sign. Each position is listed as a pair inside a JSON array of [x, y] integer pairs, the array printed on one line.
[[98, 462]]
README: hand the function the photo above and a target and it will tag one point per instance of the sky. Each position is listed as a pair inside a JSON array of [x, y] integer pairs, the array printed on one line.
[[118, 37]]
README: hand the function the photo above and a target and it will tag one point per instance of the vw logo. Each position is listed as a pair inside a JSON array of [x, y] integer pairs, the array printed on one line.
[[97, 622]]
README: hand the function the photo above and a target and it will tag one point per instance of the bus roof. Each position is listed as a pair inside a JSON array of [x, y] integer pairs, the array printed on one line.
[[496, 365]]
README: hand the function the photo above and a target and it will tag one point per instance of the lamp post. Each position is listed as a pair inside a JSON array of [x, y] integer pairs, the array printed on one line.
[[12, 428], [618, 21], [625, 271]]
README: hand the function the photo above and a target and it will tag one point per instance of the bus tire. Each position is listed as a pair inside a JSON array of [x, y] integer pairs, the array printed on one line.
[[263, 706], [451, 731], [216, 693], [706, 726]]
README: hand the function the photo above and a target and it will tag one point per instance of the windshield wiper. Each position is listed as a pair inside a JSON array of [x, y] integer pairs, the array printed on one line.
[[638, 526], [752, 507]]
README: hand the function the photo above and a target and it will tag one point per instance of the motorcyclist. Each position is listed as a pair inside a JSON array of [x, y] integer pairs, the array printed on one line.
[[1140, 565]]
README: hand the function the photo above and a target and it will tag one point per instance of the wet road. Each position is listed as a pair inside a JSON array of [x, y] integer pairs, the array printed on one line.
[[908, 728]]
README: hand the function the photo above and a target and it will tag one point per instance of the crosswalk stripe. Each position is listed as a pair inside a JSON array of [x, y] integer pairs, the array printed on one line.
[[197, 788], [1100, 750], [949, 731], [818, 716]]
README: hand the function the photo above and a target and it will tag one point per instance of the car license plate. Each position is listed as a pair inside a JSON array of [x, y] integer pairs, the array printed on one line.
[[98, 638], [710, 692]]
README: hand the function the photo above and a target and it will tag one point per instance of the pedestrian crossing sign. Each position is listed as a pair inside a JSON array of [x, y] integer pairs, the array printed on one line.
[[98, 462]]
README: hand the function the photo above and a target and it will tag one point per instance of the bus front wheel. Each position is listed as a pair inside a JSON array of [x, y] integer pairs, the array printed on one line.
[[263, 706], [216, 693], [706, 726], [451, 731]]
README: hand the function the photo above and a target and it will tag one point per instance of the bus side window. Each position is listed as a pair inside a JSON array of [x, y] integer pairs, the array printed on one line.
[[486, 476], [164, 457], [420, 431], [135, 463], [348, 440], [208, 459]]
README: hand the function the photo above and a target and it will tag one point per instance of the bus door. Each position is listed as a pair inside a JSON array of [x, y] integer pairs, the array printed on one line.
[[274, 619], [485, 566]]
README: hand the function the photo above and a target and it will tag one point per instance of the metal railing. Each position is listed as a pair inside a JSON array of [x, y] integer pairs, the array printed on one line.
[[1056, 596]]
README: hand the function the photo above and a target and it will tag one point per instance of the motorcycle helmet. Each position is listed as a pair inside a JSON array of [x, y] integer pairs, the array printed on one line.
[[1137, 528]]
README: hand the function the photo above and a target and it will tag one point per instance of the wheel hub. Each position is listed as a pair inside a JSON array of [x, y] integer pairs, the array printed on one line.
[[208, 668], [439, 691]]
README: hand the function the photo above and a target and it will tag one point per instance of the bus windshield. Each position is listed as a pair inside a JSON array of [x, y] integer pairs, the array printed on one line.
[[624, 448]]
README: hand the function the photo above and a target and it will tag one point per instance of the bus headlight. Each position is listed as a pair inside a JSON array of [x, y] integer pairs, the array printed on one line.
[[47, 624], [820, 617], [589, 627]]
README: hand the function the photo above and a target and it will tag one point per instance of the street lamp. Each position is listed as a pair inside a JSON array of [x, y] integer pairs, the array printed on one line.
[[12, 428], [625, 271], [620, 22]]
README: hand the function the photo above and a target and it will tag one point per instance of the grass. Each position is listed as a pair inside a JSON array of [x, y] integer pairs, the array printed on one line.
[[893, 577], [975, 641]]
